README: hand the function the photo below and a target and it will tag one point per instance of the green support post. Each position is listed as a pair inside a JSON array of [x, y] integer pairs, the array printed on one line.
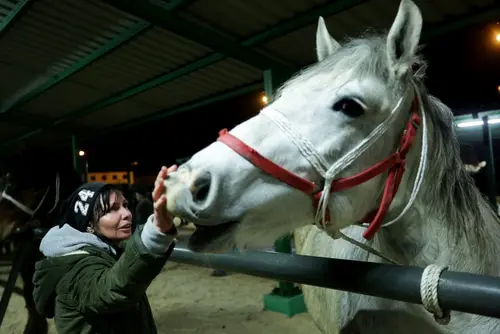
[[78, 161], [287, 298]]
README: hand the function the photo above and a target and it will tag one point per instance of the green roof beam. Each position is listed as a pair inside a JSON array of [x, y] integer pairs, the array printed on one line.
[[427, 34], [160, 16], [282, 28], [254, 87], [17, 12], [263, 37], [57, 78], [177, 5]]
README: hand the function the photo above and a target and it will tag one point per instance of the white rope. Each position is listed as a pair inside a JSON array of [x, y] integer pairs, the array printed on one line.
[[303, 144], [429, 293], [355, 153], [422, 166]]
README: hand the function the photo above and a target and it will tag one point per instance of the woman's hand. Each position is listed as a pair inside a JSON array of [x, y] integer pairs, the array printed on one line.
[[162, 218]]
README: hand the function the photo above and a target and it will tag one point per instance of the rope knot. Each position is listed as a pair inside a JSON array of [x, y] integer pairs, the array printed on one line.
[[429, 293]]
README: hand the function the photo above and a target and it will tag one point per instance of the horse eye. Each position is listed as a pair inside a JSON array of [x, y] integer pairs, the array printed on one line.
[[349, 107]]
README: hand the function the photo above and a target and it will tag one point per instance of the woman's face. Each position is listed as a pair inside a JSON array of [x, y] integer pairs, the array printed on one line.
[[116, 225]]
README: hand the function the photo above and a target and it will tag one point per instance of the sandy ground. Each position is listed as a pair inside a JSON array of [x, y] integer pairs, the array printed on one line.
[[186, 299]]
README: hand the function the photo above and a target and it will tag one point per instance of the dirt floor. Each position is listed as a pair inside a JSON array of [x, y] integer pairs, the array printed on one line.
[[186, 299]]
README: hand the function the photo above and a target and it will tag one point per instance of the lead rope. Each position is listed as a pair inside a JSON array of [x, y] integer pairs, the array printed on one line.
[[431, 275]]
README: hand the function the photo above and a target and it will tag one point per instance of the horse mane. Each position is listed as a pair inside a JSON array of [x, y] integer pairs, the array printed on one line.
[[457, 200]]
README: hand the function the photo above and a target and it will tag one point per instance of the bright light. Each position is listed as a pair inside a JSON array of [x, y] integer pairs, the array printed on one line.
[[135, 163], [264, 99], [468, 124], [498, 37], [81, 153]]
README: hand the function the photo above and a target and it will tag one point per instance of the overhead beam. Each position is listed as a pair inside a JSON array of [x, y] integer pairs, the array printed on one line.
[[427, 34], [12, 114], [331, 8], [17, 12], [263, 37], [253, 87], [57, 78], [177, 5], [158, 15]]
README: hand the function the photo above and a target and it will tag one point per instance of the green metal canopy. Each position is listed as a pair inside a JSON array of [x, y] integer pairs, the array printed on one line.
[[95, 66]]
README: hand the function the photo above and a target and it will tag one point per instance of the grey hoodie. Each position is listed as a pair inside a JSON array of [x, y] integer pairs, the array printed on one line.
[[64, 240]]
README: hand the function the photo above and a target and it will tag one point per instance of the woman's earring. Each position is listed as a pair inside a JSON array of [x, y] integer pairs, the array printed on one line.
[[90, 229]]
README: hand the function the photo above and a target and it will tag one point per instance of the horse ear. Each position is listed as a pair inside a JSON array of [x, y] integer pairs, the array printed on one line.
[[403, 38], [325, 43]]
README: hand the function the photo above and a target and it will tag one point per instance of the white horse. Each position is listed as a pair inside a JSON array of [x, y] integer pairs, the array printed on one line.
[[329, 127]]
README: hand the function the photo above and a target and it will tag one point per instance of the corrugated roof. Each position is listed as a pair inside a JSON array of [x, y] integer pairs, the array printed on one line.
[[137, 69], [243, 18]]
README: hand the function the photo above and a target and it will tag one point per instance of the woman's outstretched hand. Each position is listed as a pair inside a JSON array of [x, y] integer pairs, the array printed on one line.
[[162, 218]]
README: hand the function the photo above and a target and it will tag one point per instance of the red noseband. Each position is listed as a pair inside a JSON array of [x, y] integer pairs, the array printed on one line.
[[394, 164]]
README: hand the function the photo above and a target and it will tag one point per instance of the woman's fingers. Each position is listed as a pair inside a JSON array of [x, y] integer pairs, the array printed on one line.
[[159, 185], [172, 168], [160, 203], [159, 189]]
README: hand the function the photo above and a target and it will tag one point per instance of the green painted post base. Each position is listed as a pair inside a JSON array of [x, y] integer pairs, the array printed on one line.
[[287, 305], [286, 298]]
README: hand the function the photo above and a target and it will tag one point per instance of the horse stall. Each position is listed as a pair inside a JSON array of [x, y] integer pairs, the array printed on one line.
[[83, 69]]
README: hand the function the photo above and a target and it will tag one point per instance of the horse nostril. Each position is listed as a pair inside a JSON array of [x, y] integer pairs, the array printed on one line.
[[201, 187]]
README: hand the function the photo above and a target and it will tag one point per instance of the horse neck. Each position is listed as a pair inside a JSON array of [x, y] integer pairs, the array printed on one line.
[[450, 223]]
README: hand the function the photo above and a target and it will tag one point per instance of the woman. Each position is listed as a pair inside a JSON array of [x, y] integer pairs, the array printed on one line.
[[96, 271]]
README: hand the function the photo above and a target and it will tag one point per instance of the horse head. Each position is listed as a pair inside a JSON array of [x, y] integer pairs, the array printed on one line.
[[304, 158]]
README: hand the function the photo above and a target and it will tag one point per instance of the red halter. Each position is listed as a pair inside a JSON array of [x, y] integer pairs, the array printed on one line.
[[394, 164]]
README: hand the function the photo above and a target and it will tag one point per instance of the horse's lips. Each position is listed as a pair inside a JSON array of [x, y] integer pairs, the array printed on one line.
[[204, 236]]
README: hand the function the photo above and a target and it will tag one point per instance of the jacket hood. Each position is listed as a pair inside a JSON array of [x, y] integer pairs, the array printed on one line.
[[60, 241], [61, 247]]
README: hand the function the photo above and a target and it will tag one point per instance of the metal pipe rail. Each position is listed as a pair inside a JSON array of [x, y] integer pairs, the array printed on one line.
[[457, 291]]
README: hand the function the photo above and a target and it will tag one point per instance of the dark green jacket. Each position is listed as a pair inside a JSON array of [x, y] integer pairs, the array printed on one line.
[[92, 290]]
